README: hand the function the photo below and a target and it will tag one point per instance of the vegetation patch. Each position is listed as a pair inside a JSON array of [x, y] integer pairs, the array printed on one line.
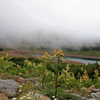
[[55, 79], [1, 49]]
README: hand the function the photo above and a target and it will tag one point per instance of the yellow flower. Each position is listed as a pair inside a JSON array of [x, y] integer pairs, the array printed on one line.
[[18, 66], [46, 56], [60, 57], [20, 74], [98, 79], [62, 54], [60, 51], [86, 78], [26, 72], [81, 79], [96, 71], [56, 50], [85, 72], [55, 56]]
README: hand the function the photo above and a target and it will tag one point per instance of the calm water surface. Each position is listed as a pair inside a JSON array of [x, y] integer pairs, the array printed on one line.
[[86, 61], [83, 60]]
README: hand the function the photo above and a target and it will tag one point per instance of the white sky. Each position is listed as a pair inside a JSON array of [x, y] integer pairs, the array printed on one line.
[[77, 20]]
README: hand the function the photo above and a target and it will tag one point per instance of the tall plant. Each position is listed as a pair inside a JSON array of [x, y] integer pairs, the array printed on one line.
[[58, 55], [55, 66]]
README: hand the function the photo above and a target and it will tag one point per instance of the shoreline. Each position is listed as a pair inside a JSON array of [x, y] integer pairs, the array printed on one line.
[[33, 53]]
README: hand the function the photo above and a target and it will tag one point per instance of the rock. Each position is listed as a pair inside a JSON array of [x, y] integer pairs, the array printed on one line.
[[96, 90], [84, 88], [5, 75], [9, 87], [69, 91], [34, 96], [19, 79], [44, 98], [93, 99], [95, 95], [37, 86], [90, 89], [3, 97], [22, 80], [33, 79], [13, 99], [79, 96]]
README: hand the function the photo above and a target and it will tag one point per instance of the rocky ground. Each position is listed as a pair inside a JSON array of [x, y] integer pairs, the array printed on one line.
[[10, 88]]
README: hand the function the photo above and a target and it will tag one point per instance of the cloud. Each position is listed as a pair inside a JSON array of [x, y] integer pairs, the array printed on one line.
[[52, 23]]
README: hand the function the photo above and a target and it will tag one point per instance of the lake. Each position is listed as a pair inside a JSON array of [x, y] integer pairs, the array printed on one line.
[[83, 60]]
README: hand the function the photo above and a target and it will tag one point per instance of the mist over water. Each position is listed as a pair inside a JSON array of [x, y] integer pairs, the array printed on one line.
[[50, 23]]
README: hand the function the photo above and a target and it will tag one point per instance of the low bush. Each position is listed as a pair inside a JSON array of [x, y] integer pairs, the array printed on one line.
[[78, 70], [1, 49], [20, 60]]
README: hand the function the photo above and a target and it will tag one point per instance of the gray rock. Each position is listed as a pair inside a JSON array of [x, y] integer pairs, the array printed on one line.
[[95, 95], [96, 90], [93, 99], [9, 87], [33, 79], [79, 97]]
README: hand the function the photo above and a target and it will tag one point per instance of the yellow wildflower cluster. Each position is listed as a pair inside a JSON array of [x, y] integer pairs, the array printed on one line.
[[20, 74], [85, 72], [96, 72], [81, 79], [28, 62], [58, 53], [98, 79], [40, 65], [67, 69], [18, 66], [47, 72], [46, 56], [69, 75], [26, 72], [86, 78]]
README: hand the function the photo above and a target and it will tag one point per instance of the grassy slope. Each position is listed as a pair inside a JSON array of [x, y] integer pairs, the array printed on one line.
[[94, 53]]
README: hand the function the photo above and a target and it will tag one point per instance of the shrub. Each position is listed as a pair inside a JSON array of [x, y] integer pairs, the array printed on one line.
[[20, 60], [1, 49]]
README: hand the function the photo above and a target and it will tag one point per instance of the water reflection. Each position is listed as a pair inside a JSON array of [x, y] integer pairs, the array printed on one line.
[[83, 60], [86, 61]]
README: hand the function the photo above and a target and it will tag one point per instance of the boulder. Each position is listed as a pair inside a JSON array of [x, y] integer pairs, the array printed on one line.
[[90, 89], [93, 99], [22, 80], [96, 90], [33, 79], [5, 75], [96, 95], [9, 87], [44, 98], [79, 96], [19, 79]]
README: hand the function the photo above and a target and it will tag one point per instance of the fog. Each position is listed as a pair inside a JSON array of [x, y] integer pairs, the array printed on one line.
[[50, 23]]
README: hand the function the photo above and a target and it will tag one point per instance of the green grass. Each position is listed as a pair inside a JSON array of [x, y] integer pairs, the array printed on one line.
[[94, 53]]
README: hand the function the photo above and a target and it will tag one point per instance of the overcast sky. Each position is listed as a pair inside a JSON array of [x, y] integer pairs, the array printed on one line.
[[57, 22]]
